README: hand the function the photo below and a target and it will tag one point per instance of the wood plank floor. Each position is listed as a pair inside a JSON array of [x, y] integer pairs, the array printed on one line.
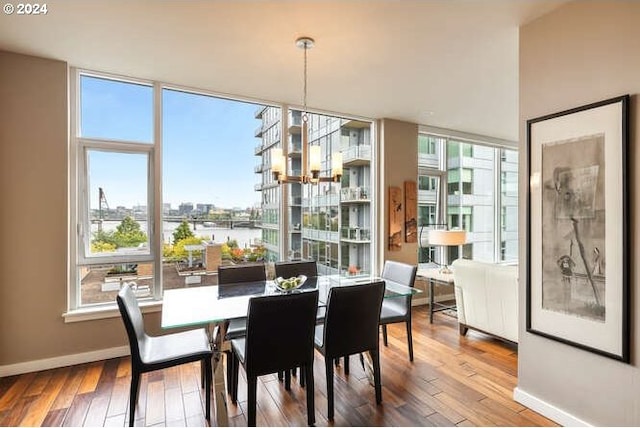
[[465, 381]]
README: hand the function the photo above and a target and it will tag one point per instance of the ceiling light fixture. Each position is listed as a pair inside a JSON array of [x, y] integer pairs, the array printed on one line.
[[311, 162]]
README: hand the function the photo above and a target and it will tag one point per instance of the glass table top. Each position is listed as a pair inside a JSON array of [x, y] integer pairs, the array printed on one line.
[[210, 304]]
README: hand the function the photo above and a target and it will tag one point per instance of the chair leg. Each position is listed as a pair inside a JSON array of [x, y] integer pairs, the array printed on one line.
[[303, 375], [229, 358], [337, 361], [208, 381], [384, 335], [235, 361], [252, 385], [202, 374], [346, 364], [377, 380], [311, 407], [287, 380], [280, 376], [329, 374], [133, 395], [410, 339]]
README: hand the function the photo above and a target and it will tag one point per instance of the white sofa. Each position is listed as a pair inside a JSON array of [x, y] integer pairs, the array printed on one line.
[[487, 298]]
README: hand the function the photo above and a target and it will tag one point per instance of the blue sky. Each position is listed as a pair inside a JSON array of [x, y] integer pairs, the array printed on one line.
[[208, 145]]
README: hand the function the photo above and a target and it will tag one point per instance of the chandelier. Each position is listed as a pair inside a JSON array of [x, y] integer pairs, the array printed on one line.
[[311, 163]]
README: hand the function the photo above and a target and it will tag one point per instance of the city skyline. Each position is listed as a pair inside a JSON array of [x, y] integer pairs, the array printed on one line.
[[208, 145]]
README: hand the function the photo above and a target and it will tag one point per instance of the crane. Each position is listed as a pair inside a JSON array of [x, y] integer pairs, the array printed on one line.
[[102, 203]]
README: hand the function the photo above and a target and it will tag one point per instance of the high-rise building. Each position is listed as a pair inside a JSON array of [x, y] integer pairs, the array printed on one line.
[[471, 186], [328, 222]]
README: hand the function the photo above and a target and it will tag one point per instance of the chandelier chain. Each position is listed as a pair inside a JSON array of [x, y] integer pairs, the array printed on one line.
[[304, 100]]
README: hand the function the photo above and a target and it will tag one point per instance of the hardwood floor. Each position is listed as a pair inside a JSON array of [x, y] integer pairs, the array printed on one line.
[[464, 381]]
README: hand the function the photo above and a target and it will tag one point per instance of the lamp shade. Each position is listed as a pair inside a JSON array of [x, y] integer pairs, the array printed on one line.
[[447, 237]]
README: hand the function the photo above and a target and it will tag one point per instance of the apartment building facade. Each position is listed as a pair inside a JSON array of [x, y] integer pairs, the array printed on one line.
[[329, 222]]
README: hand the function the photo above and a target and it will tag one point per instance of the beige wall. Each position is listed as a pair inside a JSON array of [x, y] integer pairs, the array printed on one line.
[[33, 217], [582, 53], [399, 163]]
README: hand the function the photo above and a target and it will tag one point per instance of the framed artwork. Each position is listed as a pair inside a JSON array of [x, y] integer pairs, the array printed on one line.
[[396, 218], [410, 211], [577, 228]]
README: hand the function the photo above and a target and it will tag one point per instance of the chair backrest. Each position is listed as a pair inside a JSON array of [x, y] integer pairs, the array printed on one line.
[[401, 273], [308, 268], [351, 323], [280, 330], [133, 322], [241, 273]]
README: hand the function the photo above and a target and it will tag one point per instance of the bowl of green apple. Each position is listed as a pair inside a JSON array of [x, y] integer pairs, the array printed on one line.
[[290, 284]]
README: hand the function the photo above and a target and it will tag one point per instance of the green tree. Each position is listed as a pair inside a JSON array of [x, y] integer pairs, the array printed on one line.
[[128, 233], [182, 232]]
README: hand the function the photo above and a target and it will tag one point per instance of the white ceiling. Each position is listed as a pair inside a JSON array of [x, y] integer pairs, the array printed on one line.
[[444, 63]]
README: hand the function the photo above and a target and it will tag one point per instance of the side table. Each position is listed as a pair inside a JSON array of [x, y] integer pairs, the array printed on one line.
[[434, 277]]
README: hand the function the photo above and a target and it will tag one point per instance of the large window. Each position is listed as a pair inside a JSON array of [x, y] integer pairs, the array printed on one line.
[[169, 184], [481, 197], [115, 172], [133, 138]]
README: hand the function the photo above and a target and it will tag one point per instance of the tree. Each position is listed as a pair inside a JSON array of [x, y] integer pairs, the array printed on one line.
[[182, 232], [129, 234]]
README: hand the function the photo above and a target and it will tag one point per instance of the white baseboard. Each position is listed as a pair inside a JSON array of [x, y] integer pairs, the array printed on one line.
[[547, 410], [63, 361]]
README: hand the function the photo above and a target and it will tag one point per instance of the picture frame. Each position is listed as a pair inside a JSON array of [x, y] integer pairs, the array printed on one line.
[[410, 211], [577, 278], [396, 218]]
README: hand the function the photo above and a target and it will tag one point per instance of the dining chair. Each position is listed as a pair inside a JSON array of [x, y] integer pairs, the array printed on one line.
[[351, 327], [149, 353], [287, 269], [398, 309], [277, 339], [234, 274]]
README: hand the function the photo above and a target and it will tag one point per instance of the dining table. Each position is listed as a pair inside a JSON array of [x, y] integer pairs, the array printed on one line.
[[213, 306]]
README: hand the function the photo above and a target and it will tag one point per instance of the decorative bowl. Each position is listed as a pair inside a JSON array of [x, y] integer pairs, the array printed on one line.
[[290, 284]]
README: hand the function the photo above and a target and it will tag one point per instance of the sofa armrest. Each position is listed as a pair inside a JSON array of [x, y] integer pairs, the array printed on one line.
[[459, 292], [488, 297]]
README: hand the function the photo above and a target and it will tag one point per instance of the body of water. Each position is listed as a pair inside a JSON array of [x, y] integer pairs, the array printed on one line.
[[244, 237]]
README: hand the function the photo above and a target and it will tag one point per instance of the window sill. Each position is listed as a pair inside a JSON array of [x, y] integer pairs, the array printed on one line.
[[105, 312]]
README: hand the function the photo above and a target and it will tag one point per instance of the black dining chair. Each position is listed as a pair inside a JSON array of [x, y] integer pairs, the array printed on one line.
[[235, 274], [351, 327], [398, 309], [280, 331], [287, 269], [149, 353]]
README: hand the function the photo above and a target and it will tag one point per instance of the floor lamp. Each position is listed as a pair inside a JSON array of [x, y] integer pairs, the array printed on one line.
[[445, 238]]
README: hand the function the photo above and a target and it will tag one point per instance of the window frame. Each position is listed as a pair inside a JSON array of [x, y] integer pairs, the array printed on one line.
[[79, 240], [79, 198], [461, 139]]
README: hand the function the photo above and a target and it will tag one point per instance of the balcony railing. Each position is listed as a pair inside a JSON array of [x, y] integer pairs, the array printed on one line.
[[259, 131], [354, 155], [258, 149], [356, 234], [257, 187], [295, 149], [259, 111], [351, 194], [259, 168], [321, 235]]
